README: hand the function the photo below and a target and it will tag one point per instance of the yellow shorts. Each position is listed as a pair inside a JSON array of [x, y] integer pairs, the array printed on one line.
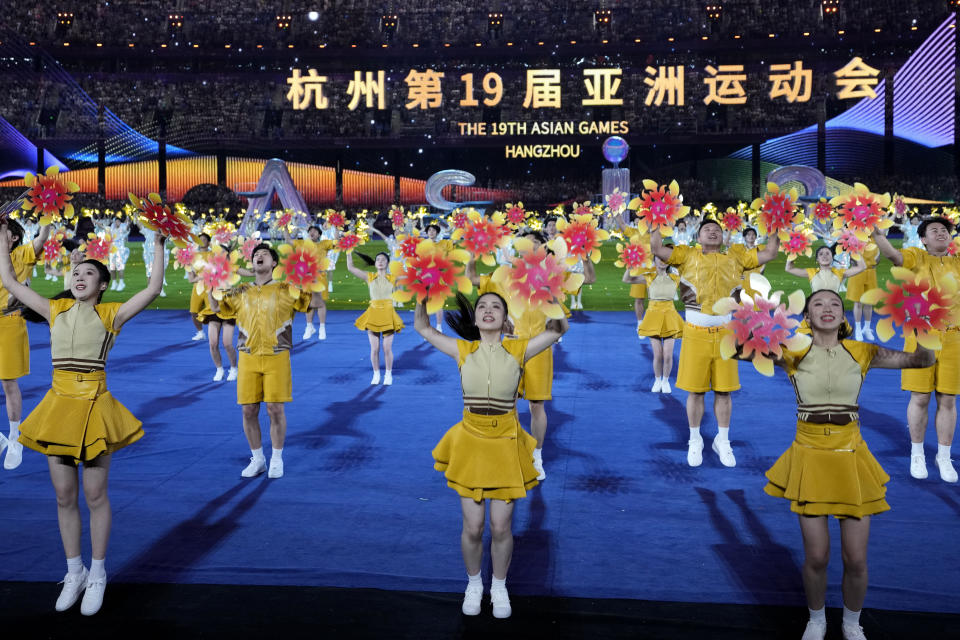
[[638, 290], [197, 301], [861, 283], [537, 380], [14, 347], [264, 378], [701, 368], [944, 375]]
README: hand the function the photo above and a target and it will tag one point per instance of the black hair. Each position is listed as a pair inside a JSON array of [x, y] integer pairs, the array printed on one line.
[[32, 316], [829, 247], [708, 221], [69, 245], [542, 239], [434, 226], [205, 235], [748, 230], [313, 226], [17, 230], [843, 331], [264, 246], [371, 261], [549, 219], [463, 321], [922, 229]]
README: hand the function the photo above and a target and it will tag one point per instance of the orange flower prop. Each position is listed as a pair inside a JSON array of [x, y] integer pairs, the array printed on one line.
[[617, 201], [583, 237], [732, 220], [98, 248], [49, 195], [536, 280], [633, 256], [776, 210], [217, 271], [301, 268], [515, 215], [185, 257], [822, 211], [760, 325], [852, 243], [915, 304], [336, 219], [482, 236], [797, 242], [408, 245], [155, 215], [862, 211], [431, 275], [659, 207], [349, 241]]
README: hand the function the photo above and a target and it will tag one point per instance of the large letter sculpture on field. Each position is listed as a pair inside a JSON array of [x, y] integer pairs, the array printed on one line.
[[275, 180]]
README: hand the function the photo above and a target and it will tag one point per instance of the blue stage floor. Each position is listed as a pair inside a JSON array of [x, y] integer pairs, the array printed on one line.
[[620, 514]]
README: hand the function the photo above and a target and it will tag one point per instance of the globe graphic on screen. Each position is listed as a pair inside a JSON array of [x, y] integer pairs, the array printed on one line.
[[615, 149]]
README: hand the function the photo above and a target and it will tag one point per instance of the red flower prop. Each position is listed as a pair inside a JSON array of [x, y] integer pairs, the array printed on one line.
[[732, 220], [515, 215], [659, 208], [482, 236], [336, 219], [53, 251], [579, 209], [284, 219], [633, 256], [852, 243], [217, 271], [430, 275], [861, 211], [49, 195], [397, 217], [458, 219], [184, 257], [797, 242], [776, 210], [760, 324], [954, 247], [822, 211], [155, 215], [301, 268], [537, 280], [583, 237], [408, 245], [349, 241], [617, 201], [98, 248], [899, 205], [915, 304]]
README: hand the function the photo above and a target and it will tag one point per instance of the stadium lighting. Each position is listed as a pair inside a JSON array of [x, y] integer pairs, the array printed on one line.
[[602, 18], [64, 21], [494, 22], [714, 11], [283, 22], [313, 16], [830, 7], [174, 22], [388, 25]]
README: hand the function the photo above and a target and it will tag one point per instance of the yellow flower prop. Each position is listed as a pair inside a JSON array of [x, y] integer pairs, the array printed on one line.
[[915, 304], [515, 215], [482, 236], [431, 275], [798, 241], [862, 211], [98, 247], [634, 255], [49, 195], [583, 238], [536, 280], [660, 207], [301, 268], [217, 271], [776, 211], [155, 215]]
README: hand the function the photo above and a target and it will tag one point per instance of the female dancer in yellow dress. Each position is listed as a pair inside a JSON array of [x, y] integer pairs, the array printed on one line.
[[828, 470], [221, 327], [857, 286], [662, 324], [380, 320], [78, 421], [487, 455], [825, 276]]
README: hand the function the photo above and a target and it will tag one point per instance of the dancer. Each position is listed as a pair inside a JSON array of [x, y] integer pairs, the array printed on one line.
[[78, 421], [14, 341], [828, 470], [856, 287], [708, 274], [220, 329], [119, 229], [433, 234], [380, 320], [749, 236], [662, 324], [487, 455], [148, 237], [825, 275], [264, 312], [943, 378], [318, 300], [197, 300]]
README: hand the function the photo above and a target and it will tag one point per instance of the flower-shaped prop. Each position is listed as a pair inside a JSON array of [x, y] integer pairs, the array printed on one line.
[[633, 256], [797, 241], [349, 241], [482, 236], [185, 257], [579, 209], [536, 280], [98, 247], [659, 207], [898, 206], [336, 218], [397, 216], [301, 268], [776, 211], [220, 231], [821, 211], [431, 275], [458, 219], [862, 211], [217, 271], [283, 219], [515, 215], [760, 324], [49, 195], [583, 238], [616, 201], [53, 251], [954, 248], [731, 220], [914, 303], [852, 243], [155, 215], [408, 245], [247, 245]]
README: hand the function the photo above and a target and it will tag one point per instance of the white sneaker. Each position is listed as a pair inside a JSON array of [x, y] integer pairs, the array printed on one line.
[[538, 465], [276, 467], [309, 331], [723, 449], [120, 287], [857, 333], [232, 374], [73, 586], [440, 327], [387, 378], [255, 468], [93, 596], [918, 467], [218, 376], [695, 452], [665, 386], [816, 630], [15, 456], [657, 383], [330, 287], [113, 285], [376, 377], [471, 599], [501, 602], [868, 334], [198, 336], [322, 332], [163, 294], [853, 632], [947, 472]]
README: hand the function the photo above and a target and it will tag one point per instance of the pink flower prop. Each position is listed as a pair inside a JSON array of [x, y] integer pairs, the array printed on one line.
[[515, 215], [852, 243], [217, 271], [97, 248], [633, 256], [582, 209], [822, 211], [861, 211], [732, 220], [954, 247], [776, 210], [155, 215], [659, 207], [301, 268], [284, 219], [912, 302], [53, 251], [617, 201], [185, 257], [431, 275], [760, 325], [536, 280], [482, 236], [246, 249], [899, 205], [49, 195], [583, 237]]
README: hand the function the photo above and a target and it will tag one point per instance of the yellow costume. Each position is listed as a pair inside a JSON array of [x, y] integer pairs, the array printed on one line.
[[380, 315], [14, 341], [745, 285], [944, 375], [78, 418], [828, 470], [264, 315], [639, 289], [661, 319], [197, 300], [705, 278], [537, 380], [866, 279], [488, 454]]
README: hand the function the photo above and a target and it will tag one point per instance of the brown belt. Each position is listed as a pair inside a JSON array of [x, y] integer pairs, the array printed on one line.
[[830, 418]]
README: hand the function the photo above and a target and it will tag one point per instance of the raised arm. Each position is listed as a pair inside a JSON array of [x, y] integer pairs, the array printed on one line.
[[139, 301], [629, 279], [543, 340], [41, 238], [360, 273], [893, 359], [770, 250], [17, 289], [657, 248], [887, 250], [471, 271], [794, 271], [376, 231], [421, 322], [858, 267]]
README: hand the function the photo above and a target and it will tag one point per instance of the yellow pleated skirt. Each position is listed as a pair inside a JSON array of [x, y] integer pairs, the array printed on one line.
[[861, 283], [661, 320], [379, 316], [487, 457], [829, 471], [14, 346], [79, 419]]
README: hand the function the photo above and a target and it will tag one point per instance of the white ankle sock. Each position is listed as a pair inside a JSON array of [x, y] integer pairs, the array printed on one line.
[[497, 583], [277, 453], [97, 569], [850, 618], [695, 433], [943, 450], [257, 453], [538, 455], [471, 580], [818, 615], [723, 433], [15, 432], [916, 448], [74, 565]]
